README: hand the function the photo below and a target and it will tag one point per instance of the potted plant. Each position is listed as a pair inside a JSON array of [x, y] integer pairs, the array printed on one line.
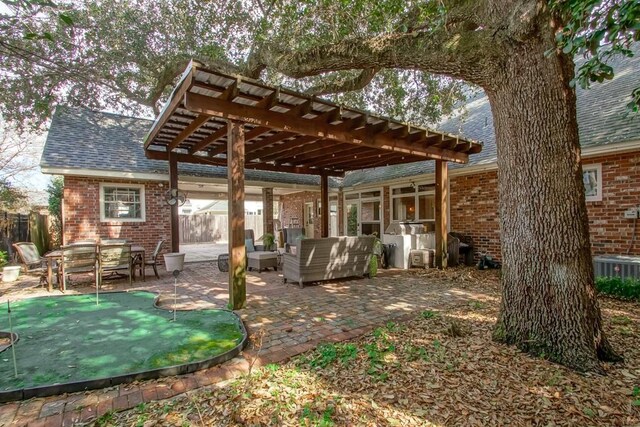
[[376, 253], [268, 239], [10, 273], [174, 261]]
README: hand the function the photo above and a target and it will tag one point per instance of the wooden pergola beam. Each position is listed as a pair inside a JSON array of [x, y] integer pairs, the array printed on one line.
[[248, 114], [189, 130], [261, 144], [279, 148], [323, 158], [208, 140], [176, 98], [214, 161]]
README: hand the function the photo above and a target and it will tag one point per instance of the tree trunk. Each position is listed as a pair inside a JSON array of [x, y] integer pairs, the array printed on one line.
[[549, 306]]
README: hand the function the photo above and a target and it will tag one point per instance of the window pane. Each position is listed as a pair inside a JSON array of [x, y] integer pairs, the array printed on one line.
[[370, 211], [352, 196], [371, 228], [590, 179], [426, 187], [122, 203], [403, 190], [369, 194], [427, 207], [404, 208]]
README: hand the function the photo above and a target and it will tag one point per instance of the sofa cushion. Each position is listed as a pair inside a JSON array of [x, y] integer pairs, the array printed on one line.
[[248, 243], [262, 255]]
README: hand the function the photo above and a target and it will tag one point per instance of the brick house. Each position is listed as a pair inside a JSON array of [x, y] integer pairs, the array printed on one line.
[[113, 190]]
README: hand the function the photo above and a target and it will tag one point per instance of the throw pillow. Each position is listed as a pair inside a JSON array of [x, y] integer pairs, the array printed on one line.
[[248, 243]]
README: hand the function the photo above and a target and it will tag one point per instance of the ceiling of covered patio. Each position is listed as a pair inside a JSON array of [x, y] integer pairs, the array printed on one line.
[[287, 131]]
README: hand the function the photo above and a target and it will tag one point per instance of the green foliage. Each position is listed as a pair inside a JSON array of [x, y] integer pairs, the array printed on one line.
[[598, 30], [327, 354], [621, 288], [428, 314], [11, 198], [4, 258], [268, 239], [56, 193]]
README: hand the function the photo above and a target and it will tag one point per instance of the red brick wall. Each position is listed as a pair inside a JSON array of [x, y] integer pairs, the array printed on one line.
[[611, 233], [293, 207], [474, 210], [474, 207], [81, 213]]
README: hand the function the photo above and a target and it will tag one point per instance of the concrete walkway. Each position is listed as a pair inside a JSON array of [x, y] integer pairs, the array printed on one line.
[[282, 320], [200, 252]]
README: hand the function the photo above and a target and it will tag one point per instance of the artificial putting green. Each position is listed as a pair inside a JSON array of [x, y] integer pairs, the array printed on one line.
[[70, 338]]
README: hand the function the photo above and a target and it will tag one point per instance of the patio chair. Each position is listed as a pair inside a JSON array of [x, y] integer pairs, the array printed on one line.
[[257, 257], [142, 264], [290, 235], [31, 261], [113, 259], [77, 259]]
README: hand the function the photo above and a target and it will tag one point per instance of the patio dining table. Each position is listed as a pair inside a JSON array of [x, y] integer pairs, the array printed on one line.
[[56, 255]]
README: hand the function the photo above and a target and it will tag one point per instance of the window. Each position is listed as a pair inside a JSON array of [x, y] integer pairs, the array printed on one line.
[[592, 179], [124, 203], [414, 203]]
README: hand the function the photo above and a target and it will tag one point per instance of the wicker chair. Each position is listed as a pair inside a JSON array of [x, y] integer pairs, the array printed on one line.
[[113, 259], [31, 260], [77, 259]]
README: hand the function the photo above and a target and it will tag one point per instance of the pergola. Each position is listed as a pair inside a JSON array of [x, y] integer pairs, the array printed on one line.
[[226, 120]]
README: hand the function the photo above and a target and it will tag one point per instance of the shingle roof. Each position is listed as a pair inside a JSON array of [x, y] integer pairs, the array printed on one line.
[[83, 139], [602, 119]]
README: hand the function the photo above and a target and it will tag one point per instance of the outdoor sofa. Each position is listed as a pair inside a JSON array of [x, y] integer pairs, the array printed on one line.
[[328, 258]]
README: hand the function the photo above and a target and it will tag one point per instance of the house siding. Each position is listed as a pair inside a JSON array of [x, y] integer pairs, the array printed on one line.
[[611, 233], [81, 213], [474, 210]]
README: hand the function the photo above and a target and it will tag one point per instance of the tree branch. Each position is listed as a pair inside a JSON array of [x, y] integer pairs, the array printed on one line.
[[358, 82]]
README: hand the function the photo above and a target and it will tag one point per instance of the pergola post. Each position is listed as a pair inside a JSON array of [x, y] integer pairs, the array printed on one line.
[[235, 190], [324, 205], [442, 178], [267, 210], [173, 185]]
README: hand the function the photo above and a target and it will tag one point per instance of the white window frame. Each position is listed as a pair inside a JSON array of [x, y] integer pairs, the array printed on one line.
[[416, 195], [597, 167], [359, 201], [104, 218]]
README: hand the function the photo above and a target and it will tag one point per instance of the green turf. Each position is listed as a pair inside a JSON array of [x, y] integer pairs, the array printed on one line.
[[69, 338]]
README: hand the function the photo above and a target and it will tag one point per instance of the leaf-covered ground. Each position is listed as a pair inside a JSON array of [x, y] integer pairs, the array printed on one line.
[[440, 368]]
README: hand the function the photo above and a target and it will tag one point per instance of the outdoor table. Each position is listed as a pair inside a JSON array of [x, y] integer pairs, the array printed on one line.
[[57, 255]]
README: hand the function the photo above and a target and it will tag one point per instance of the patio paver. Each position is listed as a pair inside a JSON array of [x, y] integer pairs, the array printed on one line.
[[282, 320]]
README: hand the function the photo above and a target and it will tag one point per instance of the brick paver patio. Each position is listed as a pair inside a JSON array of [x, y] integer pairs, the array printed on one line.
[[282, 320]]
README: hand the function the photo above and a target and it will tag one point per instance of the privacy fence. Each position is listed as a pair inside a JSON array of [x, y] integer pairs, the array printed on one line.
[[33, 227], [208, 228]]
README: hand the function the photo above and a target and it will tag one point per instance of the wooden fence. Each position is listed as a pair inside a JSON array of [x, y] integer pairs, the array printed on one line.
[[33, 227], [208, 228]]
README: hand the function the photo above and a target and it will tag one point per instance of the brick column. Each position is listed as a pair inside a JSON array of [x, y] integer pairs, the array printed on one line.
[[267, 210]]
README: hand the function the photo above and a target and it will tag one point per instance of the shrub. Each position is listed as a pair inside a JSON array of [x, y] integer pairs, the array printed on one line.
[[4, 258], [628, 288]]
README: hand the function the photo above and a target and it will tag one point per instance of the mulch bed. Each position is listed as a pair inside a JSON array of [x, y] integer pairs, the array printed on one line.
[[440, 368]]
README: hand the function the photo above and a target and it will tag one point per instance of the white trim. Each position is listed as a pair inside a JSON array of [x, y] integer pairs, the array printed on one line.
[[587, 152], [103, 217], [359, 201], [140, 176], [597, 167]]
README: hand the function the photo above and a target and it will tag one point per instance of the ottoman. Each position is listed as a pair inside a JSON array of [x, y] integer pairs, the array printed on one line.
[[262, 259]]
